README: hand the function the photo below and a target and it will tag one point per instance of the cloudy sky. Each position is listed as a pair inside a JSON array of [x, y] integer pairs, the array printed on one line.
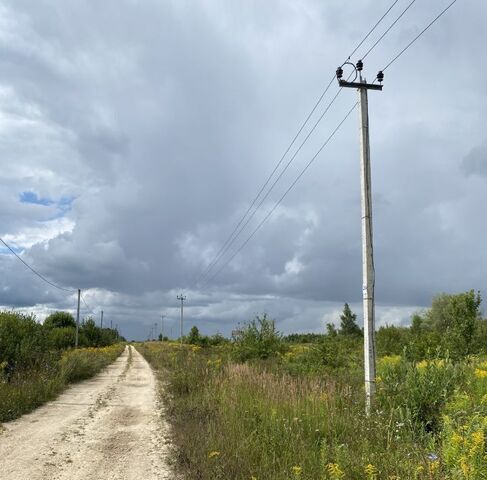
[[135, 134]]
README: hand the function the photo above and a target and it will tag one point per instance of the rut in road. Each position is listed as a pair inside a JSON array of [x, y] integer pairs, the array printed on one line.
[[104, 428]]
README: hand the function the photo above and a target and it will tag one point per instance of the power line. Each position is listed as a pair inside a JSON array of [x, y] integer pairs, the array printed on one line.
[[90, 310], [333, 133], [388, 29], [232, 237], [264, 198], [237, 230], [419, 34], [284, 194], [372, 30], [36, 272]]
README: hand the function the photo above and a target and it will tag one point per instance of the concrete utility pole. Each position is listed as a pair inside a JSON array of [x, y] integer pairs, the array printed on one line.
[[368, 271], [77, 321], [162, 326], [182, 298], [101, 320]]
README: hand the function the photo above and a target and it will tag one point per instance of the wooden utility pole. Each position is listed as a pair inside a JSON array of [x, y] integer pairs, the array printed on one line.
[[101, 320], [368, 271], [182, 298], [77, 321]]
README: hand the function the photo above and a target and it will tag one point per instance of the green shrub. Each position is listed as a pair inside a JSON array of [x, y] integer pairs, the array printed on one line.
[[258, 339], [420, 390]]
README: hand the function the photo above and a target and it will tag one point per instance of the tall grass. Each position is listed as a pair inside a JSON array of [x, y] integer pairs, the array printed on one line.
[[259, 421], [31, 388]]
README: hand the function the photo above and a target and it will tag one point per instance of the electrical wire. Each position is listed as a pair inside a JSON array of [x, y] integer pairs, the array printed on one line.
[[419, 34], [264, 198], [90, 310], [36, 272], [291, 186], [388, 30], [373, 28], [241, 225], [237, 230], [337, 128]]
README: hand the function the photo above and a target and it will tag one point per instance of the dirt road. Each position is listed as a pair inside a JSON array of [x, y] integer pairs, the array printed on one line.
[[104, 428]]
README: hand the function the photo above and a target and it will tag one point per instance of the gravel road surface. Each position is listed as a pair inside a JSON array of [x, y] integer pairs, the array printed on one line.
[[107, 427]]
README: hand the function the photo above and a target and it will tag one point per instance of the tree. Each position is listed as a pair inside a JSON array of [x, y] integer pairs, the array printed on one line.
[[194, 337], [59, 320], [455, 317], [348, 324], [331, 330], [258, 339], [92, 333]]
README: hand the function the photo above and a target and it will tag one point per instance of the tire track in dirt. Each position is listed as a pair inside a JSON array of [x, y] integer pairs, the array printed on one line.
[[104, 428]]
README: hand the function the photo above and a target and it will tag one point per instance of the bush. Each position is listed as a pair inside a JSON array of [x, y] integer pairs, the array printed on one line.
[[258, 339], [22, 342], [420, 390]]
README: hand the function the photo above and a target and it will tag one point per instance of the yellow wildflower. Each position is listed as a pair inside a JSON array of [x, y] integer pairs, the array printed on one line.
[[479, 373], [433, 467], [335, 471], [467, 469], [370, 471], [214, 453], [297, 470]]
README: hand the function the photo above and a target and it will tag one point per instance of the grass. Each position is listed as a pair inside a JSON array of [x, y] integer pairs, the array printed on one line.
[[29, 389], [287, 418]]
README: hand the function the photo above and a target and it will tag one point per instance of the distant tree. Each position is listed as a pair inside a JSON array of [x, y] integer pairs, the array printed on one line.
[[61, 338], [92, 333], [391, 340], [194, 337], [59, 320], [455, 317], [331, 330], [259, 338], [348, 323]]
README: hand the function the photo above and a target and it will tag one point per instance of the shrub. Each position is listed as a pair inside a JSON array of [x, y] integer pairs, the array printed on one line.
[[258, 339], [420, 390]]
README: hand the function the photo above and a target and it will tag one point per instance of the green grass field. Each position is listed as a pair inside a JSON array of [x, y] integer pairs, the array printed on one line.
[[292, 417]]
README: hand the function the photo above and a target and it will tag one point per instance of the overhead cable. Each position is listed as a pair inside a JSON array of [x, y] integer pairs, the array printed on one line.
[[419, 34], [36, 272], [241, 225]]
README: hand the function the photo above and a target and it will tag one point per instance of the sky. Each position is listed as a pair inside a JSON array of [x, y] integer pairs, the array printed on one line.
[[134, 136]]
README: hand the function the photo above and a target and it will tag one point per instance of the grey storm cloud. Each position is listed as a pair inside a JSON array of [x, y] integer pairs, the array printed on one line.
[[161, 120]]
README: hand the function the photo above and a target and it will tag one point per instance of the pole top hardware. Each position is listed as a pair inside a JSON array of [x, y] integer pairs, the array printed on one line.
[[357, 69]]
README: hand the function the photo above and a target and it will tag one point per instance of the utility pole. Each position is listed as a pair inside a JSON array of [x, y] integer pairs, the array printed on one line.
[[368, 271], [162, 326], [182, 298], [77, 321], [101, 320]]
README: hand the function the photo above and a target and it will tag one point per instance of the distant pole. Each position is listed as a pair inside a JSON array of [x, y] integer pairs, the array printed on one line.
[[368, 272], [77, 321], [155, 331], [182, 298], [101, 320], [111, 325], [162, 326]]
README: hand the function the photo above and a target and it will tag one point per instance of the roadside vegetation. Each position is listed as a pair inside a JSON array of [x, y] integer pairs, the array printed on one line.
[[37, 361], [262, 406]]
